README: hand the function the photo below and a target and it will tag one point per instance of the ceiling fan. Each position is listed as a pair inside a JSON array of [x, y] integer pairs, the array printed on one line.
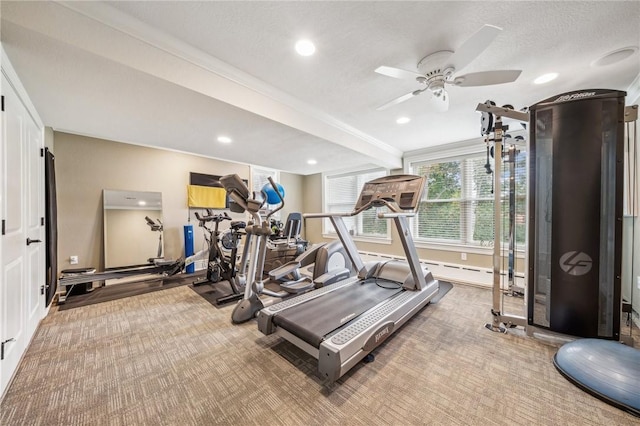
[[436, 70]]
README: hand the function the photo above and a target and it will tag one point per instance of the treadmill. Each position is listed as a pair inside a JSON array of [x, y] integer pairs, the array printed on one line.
[[342, 323]]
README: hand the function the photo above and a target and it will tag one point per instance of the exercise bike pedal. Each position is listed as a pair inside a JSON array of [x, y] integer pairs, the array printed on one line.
[[297, 287]]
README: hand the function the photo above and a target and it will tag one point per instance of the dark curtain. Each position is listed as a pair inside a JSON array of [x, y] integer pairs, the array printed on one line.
[[51, 219]]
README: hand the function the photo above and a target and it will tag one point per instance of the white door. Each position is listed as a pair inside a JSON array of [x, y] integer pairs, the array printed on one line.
[[22, 269], [35, 257]]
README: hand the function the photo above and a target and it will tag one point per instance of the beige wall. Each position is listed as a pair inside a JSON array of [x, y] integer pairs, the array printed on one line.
[[48, 138], [312, 199], [85, 166]]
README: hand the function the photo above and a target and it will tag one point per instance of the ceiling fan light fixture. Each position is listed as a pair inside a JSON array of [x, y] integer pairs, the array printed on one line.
[[305, 47], [403, 120], [545, 78], [615, 56]]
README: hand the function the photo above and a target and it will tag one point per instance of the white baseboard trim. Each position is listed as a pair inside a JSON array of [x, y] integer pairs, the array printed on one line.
[[464, 274]]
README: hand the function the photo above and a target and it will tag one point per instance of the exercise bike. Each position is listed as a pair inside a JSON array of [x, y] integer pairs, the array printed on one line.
[[221, 267]]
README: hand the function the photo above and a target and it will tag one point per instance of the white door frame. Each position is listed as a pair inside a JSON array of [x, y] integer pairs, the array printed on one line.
[[26, 263]]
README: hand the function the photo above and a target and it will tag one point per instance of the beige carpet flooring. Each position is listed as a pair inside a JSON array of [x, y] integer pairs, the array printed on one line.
[[171, 358]]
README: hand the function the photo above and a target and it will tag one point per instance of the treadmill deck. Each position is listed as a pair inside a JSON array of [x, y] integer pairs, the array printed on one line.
[[311, 322]]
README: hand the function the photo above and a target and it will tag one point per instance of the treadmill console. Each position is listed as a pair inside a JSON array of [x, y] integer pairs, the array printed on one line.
[[404, 190]]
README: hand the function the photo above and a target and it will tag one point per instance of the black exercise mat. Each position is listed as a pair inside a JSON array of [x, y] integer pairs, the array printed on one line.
[[211, 292], [445, 286], [119, 291]]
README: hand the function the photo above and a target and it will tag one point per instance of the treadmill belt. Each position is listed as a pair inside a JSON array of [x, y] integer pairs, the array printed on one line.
[[314, 319]]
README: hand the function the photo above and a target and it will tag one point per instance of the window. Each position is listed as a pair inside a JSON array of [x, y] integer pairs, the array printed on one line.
[[341, 192], [260, 177], [457, 203]]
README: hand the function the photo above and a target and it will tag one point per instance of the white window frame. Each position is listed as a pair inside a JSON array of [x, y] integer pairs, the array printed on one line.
[[386, 239], [257, 170], [455, 151], [264, 171]]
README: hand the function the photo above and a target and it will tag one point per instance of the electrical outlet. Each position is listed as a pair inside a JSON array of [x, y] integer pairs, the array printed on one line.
[[463, 256], [73, 260]]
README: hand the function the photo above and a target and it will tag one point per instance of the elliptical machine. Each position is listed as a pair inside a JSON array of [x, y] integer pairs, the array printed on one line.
[[330, 259], [257, 234], [219, 266]]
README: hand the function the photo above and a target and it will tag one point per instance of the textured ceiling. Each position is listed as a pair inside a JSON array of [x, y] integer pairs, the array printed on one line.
[[177, 74]]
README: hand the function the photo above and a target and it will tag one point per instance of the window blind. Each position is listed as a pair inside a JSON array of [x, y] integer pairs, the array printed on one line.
[[260, 177], [457, 204], [341, 192]]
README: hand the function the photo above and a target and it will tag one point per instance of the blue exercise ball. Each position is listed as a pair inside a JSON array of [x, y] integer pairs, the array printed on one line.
[[272, 197]]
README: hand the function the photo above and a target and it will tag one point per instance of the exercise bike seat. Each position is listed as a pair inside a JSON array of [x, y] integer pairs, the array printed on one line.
[[238, 224]]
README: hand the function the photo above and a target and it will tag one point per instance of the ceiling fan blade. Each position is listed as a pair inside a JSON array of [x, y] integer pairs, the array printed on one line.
[[400, 99], [487, 78], [398, 73], [473, 47]]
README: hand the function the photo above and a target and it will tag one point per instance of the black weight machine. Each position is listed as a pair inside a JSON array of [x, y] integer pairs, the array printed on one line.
[[574, 213], [510, 156], [494, 132]]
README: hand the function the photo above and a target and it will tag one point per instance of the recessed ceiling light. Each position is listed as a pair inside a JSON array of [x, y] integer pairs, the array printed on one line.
[[615, 56], [142, 203], [224, 139], [403, 120], [311, 162], [305, 48], [545, 78]]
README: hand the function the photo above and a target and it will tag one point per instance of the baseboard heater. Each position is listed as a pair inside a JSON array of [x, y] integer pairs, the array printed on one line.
[[481, 277]]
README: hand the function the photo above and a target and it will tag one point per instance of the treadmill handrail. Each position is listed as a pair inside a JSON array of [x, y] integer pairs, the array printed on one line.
[[352, 251], [320, 215]]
